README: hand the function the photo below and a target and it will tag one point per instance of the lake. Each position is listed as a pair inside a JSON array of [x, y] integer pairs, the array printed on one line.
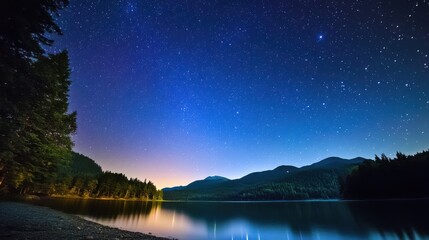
[[258, 220]]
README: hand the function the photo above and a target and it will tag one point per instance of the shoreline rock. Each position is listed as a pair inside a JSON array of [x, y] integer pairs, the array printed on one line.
[[25, 221]]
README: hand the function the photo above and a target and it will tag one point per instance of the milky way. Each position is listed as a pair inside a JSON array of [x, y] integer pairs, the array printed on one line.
[[174, 91]]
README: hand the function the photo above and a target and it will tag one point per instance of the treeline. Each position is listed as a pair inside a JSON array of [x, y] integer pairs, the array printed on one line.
[[109, 185], [400, 177], [85, 178]]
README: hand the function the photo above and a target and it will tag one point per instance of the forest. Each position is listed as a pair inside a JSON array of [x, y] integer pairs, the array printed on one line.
[[85, 178], [386, 178], [35, 123], [318, 184]]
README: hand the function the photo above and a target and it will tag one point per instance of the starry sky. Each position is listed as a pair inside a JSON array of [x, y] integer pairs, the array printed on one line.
[[175, 91]]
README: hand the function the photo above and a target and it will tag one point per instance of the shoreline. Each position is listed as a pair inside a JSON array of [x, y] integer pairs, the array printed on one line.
[[26, 221], [102, 198], [26, 198], [37, 198]]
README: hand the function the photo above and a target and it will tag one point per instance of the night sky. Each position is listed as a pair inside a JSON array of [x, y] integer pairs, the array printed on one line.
[[174, 91]]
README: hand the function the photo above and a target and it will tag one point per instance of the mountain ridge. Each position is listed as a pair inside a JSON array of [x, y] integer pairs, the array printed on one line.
[[322, 163], [215, 178], [323, 174]]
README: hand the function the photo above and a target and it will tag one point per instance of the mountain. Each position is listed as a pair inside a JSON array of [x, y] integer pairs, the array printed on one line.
[[335, 162], [318, 180], [267, 176], [173, 188], [199, 184], [216, 178]]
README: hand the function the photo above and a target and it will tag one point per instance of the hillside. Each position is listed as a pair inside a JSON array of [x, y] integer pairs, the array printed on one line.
[[319, 180], [79, 165], [83, 165], [82, 176]]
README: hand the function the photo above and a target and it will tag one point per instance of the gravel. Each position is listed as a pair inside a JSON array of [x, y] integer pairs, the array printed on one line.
[[24, 221]]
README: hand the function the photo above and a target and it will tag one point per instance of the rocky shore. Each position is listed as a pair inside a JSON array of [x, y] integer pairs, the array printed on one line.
[[24, 221]]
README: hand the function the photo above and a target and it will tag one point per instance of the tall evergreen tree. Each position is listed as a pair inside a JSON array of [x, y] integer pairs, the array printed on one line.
[[34, 124]]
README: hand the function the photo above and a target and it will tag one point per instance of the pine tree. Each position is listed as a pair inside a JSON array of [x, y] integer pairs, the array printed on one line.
[[34, 125]]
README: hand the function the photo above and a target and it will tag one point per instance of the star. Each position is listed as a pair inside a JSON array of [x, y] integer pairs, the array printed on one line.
[[195, 71]]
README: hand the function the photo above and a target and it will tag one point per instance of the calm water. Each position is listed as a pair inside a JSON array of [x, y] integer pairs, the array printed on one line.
[[258, 220]]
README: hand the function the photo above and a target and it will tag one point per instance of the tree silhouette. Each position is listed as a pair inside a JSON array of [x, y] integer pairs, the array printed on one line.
[[401, 177]]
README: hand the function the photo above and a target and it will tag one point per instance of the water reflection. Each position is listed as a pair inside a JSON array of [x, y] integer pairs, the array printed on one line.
[[258, 220]]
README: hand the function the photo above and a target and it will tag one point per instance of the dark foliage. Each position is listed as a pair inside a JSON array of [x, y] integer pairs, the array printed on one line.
[[35, 125], [401, 177], [84, 178], [317, 184], [84, 166]]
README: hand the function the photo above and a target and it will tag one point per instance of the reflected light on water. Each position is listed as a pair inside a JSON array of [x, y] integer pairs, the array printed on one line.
[[247, 220], [173, 220], [214, 230], [159, 222]]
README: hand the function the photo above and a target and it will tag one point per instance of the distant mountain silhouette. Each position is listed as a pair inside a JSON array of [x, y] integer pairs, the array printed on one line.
[[216, 178], [318, 180], [335, 162], [173, 188], [266, 176], [207, 182]]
